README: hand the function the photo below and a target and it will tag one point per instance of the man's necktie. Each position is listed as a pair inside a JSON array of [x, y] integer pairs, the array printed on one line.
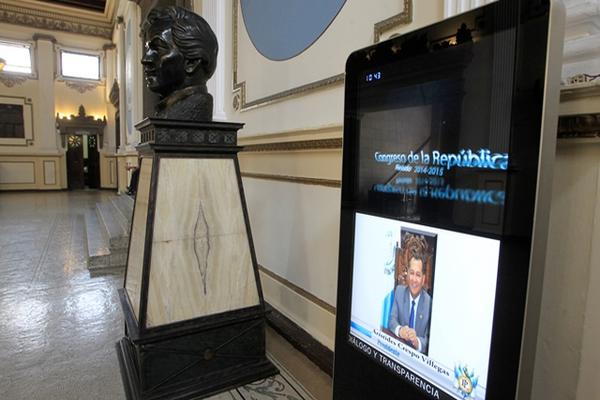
[[411, 318]]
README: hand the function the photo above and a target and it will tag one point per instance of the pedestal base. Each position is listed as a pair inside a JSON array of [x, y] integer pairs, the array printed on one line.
[[194, 366], [192, 302]]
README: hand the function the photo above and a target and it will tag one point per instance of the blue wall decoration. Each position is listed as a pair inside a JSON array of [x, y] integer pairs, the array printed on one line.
[[282, 29]]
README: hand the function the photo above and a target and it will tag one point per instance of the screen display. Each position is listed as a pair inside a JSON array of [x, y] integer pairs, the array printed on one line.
[[432, 133], [443, 341]]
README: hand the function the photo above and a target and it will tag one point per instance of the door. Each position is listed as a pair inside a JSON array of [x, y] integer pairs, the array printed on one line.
[[93, 163], [75, 175]]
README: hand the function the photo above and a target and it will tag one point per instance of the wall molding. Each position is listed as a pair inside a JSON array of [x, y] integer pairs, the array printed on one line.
[[333, 130], [241, 104], [312, 298], [240, 101], [10, 80], [81, 86], [316, 352], [36, 18], [405, 17], [333, 183], [31, 155], [43, 36], [316, 144]]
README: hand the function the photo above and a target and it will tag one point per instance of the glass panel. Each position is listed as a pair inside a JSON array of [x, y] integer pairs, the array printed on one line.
[[17, 57], [83, 66]]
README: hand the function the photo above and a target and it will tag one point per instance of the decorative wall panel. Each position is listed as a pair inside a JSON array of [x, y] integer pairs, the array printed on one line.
[[49, 172], [112, 172], [259, 79], [19, 172], [297, 229]]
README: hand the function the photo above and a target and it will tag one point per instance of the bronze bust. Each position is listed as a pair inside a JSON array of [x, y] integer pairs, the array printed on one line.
[[180, 55]]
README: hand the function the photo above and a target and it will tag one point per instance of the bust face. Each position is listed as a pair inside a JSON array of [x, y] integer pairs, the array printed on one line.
[[164, 64]]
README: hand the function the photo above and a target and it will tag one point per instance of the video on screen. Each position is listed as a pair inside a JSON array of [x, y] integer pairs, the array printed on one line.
[[439, 340]]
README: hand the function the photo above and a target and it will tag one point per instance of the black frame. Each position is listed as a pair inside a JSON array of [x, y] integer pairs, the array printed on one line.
[[525, 31]]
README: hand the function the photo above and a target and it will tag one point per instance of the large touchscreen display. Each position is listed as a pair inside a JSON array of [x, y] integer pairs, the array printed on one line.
[[441, 153], [432, 133]]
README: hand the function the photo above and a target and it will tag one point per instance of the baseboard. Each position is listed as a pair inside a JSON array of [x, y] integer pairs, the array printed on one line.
[[319, 354], [34, 190]]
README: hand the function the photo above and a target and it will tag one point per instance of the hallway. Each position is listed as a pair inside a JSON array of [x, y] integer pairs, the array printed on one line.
[[59, 325]]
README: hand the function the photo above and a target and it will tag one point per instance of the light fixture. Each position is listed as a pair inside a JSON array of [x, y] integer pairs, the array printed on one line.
[[2, 63]]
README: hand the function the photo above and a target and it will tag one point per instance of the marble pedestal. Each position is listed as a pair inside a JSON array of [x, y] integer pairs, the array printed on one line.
[[192, 299]]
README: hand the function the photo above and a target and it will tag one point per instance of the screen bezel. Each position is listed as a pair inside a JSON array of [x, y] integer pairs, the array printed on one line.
[[525, 27]]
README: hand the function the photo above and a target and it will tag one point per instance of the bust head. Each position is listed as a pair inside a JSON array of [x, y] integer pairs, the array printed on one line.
[[180, 50]]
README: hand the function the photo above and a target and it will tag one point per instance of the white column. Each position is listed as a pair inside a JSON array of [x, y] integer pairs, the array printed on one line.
[[110, 74], [213, 11], [454, 7], [450, 7], [138, 46], [110, 69], [45, 132], [465, 5], [133, 105], [120, 35], [582, 36]]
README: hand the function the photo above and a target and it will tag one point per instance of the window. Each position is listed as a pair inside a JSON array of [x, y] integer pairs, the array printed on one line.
[[79, 65], [17, 57], [12, 124], [16, 121]]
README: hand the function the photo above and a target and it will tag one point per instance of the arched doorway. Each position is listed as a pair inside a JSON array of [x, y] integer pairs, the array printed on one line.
[[83, 162], [82, 137]]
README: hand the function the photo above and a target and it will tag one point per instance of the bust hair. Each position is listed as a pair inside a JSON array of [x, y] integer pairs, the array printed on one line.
[[191, 34]]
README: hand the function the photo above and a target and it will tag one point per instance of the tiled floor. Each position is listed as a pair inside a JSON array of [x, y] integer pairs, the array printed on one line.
[[58, 324]]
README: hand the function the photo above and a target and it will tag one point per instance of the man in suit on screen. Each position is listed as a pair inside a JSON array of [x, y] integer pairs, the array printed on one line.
[[411, 309]]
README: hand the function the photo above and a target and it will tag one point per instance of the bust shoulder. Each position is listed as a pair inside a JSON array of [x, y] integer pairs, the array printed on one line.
[[196, 106]]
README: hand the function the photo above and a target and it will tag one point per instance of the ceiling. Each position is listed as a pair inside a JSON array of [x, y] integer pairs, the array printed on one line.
[[92, 5]]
